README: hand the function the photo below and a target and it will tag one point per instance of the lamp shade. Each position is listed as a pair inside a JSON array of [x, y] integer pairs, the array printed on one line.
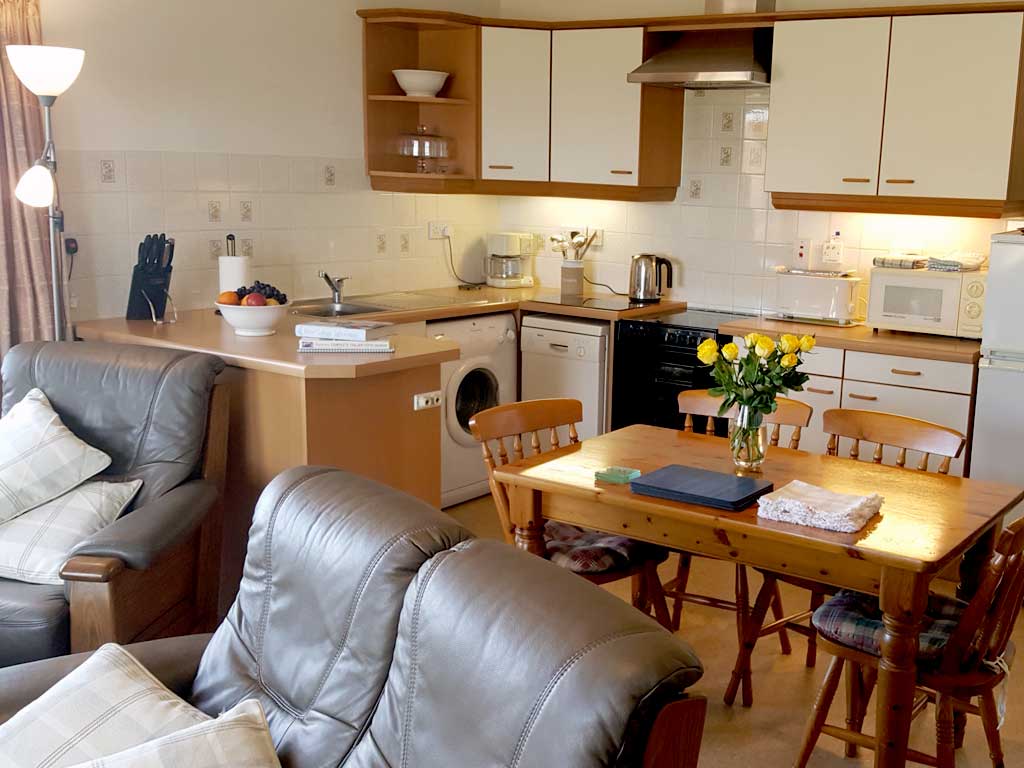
[[46, 70], [35, 187]]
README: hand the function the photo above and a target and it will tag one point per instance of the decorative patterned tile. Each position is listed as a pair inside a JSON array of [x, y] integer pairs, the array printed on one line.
[[754, 156], [727, 121]]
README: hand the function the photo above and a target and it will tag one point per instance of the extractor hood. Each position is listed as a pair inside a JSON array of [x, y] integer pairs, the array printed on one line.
[[710, 58]]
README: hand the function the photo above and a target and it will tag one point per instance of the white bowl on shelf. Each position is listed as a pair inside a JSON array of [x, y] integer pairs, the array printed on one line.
[[253, 321], [420, 82]]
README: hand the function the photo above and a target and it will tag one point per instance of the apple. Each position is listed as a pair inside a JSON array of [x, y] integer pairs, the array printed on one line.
[[254, 300]]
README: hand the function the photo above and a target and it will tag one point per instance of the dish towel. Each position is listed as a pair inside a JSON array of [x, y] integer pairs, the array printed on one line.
[[806, 504], [900, 262], [957, 262]]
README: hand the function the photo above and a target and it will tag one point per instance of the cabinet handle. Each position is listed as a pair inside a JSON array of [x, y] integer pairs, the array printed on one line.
[[898, 372], [899, 181], [855, 180], [871, 398], [621, 173], [817, 391], [501, 167]]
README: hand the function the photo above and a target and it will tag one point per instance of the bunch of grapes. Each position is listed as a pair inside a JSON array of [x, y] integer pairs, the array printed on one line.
[[265, 289]]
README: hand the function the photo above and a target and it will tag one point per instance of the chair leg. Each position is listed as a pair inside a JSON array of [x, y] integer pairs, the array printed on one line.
[[820, 712], [945, 751], [639, 588], [682, 579], [959, 728], [656, 595], [990, 721], [817, 599], [741, 673], [854, 703], [779, 613]]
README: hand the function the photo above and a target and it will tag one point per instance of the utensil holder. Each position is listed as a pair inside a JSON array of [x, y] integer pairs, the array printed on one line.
[[572, 278], [149, 294]]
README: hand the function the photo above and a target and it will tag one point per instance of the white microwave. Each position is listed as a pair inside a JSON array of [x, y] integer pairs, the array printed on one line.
[[925, 301]]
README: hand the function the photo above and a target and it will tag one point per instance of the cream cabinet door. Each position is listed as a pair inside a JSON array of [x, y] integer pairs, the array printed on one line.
[[949, 111], [827, 100], [595, 113], [516, 103], [821, 393]]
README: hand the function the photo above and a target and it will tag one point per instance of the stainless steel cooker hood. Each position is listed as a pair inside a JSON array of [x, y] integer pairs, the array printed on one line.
[[711, 58]]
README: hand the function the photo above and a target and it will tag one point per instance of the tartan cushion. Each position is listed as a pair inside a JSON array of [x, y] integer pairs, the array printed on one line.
[[855, 620], [584, 551], [239, 738]]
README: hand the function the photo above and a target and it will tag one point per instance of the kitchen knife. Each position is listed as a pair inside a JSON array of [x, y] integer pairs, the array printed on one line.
[[168, 255]]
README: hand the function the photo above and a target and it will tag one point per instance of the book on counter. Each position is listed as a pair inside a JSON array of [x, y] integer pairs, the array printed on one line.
[[344, 330], [341, 345]]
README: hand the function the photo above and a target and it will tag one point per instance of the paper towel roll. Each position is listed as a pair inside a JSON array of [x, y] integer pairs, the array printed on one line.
[[235, 271]]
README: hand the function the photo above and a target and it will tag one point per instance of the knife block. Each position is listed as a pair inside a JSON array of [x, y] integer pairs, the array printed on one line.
[[147, 298]]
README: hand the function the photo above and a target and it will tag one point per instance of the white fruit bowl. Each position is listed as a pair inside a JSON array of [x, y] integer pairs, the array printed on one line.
[[420, 82], [253, 321]]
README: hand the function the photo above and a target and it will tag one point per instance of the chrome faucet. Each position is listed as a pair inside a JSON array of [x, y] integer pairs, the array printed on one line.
[[337, 285]]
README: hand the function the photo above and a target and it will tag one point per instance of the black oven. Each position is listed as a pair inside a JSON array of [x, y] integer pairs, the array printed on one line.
[[655, 360]]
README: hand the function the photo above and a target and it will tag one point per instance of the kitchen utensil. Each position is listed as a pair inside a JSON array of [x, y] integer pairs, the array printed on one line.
[[645, 277], [420, 82], [168, 253], [230, 248]]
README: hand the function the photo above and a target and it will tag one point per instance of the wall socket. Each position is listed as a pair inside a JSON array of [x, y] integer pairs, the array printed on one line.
[[425, 400], [439, 230]]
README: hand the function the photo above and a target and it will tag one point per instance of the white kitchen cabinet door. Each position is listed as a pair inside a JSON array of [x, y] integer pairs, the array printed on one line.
[[827, 100], [821, 393], [949, 110], [595, 113], [945, 408], [516, 102]]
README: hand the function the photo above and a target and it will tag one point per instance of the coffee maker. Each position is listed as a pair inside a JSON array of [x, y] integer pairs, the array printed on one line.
[[508, 260]]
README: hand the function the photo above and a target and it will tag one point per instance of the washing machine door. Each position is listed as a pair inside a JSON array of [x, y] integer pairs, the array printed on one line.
[[472, 388]]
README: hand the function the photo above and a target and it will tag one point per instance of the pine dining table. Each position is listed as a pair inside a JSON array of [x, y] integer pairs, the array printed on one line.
[[927, 523]]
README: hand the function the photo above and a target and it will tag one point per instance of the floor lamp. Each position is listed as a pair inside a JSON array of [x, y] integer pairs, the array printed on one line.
[[47, 71]]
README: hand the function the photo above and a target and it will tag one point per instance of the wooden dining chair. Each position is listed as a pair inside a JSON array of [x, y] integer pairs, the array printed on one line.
[[789, 413], [598, 557], [960, 659]]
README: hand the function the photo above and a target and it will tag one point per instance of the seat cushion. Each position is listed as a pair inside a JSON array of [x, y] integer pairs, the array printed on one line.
[[855, 620], [34, 622], [584, 551]]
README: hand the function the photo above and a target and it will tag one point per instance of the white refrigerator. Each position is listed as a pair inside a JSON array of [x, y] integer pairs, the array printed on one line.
[[997, 449]]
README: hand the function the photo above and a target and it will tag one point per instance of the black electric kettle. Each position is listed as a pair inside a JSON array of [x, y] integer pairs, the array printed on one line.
[[645, 277]]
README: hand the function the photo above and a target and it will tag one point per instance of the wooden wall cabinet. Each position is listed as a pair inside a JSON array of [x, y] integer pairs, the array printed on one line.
[[907, 114]]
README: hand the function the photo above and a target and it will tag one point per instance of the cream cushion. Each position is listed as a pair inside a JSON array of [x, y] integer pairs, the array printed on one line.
[[35, 545], [108, 704], [239, 738], [40, 458]]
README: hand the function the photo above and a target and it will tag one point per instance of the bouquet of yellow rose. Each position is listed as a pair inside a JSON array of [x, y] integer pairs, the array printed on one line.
[[752, 382]]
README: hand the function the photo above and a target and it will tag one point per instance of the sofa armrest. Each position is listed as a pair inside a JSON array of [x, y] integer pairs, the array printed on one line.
[[173, 661], [139, 538]]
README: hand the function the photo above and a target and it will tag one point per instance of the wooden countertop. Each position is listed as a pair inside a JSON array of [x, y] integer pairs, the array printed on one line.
[[860, 338], [202, 331]]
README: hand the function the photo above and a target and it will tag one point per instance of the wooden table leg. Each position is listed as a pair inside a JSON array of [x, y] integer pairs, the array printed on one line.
[[903, 599], [973, 561], [524, 512]]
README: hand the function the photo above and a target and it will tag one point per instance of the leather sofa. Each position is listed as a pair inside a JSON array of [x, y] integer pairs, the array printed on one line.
[[376, 631], [155, 413]]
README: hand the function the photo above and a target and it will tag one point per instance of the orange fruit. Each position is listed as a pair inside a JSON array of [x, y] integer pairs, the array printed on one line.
[[228, 297]]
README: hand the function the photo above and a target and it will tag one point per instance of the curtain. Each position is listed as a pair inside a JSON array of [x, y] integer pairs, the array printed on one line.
[[26, 304]]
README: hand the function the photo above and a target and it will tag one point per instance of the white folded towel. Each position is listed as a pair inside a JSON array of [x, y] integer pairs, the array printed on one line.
[[806, 504]]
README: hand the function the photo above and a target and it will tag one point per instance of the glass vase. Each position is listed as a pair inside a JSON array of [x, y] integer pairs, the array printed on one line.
[[749, 440]]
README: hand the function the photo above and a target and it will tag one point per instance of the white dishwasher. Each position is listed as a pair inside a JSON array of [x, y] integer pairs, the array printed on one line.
[[565, 357]]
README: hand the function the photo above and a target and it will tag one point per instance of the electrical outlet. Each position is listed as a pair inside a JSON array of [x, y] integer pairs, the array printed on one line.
[[382, 243], [425, 400], [404, 244], [439, 230]]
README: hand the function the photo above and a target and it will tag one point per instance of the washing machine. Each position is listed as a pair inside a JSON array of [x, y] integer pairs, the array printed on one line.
[[484, 376]]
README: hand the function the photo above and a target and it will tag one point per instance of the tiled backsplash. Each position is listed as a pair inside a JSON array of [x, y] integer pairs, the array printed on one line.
[[296, 215], [721, 231]]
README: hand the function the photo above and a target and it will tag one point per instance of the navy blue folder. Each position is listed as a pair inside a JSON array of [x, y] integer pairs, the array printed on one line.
[[701, 486]]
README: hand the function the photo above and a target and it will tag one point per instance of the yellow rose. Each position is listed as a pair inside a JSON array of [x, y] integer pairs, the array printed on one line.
[[751, 340], [764, 347], [789, 361], [730, 352], [807, 343], [707, 352], [789, 343]]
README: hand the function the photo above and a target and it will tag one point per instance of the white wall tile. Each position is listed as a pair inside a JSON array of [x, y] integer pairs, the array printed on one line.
[[243, 173], [95, 213], [144, 171], [146, 212], [751, 192], [813, 225], [275, 173], [212, 171], [751, 224], [722, 223], [782, 226], [179, 171]]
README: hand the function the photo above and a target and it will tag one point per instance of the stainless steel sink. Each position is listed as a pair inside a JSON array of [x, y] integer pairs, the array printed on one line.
[[327, 308]]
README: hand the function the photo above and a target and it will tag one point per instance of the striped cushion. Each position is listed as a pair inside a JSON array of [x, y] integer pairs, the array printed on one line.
[[239, 738], [106, 705], [40, 458], [855, 620], [584, 551]]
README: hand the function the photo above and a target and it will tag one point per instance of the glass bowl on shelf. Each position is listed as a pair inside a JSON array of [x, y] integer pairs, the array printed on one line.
[[426, 147]]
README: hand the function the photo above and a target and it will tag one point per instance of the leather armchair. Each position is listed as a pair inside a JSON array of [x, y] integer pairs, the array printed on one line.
[[375, 631], [154, 572]]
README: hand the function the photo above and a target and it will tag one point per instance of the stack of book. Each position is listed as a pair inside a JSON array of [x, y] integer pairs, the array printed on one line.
[[344, 336]]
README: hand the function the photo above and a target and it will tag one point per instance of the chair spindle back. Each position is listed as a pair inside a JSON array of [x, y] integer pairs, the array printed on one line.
[[900, 432], [790, 413]]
